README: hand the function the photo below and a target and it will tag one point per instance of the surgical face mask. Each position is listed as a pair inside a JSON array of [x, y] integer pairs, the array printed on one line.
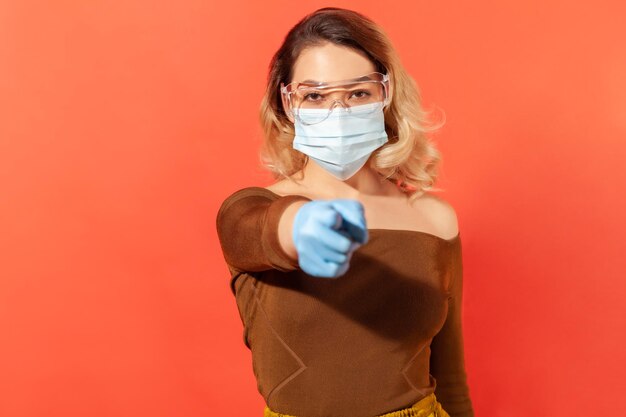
[[343, 141]]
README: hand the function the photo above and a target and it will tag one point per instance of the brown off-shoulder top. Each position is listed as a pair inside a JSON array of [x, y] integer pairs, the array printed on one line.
[[374, 340]]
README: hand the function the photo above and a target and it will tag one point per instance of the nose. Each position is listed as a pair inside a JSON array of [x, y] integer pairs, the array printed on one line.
[[338, 102]]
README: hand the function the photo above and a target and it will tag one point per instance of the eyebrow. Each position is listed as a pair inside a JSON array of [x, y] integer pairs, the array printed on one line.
[[363, 77]]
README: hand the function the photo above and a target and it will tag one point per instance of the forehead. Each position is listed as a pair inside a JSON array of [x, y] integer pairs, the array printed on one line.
[[331, 62]]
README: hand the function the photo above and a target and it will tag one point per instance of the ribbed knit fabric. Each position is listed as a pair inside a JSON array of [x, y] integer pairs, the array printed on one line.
[[381, 337]]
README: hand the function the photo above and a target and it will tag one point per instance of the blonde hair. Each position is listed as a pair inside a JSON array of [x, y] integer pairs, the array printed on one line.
[[409, 159]]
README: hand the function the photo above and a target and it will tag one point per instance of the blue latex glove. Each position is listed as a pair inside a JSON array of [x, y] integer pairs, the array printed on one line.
[[326, 233]]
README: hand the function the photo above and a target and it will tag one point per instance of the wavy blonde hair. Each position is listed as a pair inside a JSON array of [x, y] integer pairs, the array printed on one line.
[[409, 159]]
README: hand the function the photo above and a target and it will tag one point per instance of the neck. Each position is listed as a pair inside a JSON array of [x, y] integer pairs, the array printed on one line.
[[365, 182]]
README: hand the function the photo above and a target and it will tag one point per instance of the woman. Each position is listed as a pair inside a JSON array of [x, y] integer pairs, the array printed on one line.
[[347, 272]]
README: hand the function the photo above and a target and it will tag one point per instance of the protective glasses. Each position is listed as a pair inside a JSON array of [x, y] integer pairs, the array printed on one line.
[[312, 102]]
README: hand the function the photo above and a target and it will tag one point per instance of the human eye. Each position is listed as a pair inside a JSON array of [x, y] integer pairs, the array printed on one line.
[[361, 93], [312, 96]]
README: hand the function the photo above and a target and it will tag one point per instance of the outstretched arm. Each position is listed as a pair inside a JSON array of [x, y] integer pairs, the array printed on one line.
[[254, 234]]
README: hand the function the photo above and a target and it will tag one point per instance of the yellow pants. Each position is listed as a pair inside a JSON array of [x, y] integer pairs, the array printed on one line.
[[426, 407]]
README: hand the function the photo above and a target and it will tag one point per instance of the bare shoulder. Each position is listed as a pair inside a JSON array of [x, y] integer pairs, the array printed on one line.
[[276, 187], [285, 187], [440, 212], [281, 188]]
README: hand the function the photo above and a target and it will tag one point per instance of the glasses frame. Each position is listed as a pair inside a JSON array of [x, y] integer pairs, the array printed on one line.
[[288, 90]]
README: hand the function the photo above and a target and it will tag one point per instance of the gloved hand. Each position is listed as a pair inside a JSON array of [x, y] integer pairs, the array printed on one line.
[[326, 233]]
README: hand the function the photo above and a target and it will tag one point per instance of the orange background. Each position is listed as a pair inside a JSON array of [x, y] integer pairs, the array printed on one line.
[[123, 125]]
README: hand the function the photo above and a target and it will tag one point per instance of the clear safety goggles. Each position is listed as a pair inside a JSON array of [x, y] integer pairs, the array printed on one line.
[[312, 102]]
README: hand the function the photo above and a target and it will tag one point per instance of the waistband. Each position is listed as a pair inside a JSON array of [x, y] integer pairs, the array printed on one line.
[[426, 407]]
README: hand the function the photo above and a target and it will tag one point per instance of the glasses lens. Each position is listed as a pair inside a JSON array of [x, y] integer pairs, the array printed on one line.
[[315, 104], [323, 97]]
